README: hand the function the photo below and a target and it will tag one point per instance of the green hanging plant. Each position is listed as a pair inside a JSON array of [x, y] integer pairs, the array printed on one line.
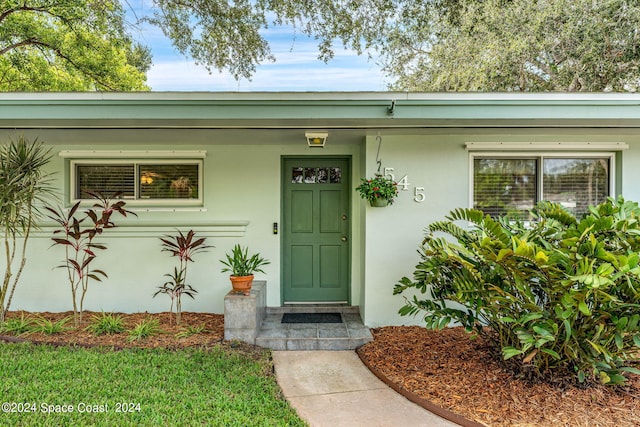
[[378, 188]]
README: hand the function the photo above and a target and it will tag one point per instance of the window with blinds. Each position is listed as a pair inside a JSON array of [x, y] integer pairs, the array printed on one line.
[[505, 185], [151, 181], [105, 179]]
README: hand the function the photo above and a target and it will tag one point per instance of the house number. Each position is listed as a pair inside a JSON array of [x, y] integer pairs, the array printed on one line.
[[403, 184]]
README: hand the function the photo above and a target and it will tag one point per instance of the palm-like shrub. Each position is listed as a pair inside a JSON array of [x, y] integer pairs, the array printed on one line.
[[24, 186], [183, 247], [555, 295]]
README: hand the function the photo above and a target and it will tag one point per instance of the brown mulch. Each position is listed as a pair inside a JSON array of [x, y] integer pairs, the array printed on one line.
[[445, 368], [449, 369], [212, 334]]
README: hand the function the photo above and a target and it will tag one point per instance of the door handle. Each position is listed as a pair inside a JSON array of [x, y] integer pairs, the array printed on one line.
[[344, 238]]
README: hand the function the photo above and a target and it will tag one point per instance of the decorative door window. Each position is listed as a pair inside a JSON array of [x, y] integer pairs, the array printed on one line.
[[324, 175]]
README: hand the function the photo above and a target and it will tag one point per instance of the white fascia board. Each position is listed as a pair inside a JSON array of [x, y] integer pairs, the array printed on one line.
[[547, 145], [111, 154]]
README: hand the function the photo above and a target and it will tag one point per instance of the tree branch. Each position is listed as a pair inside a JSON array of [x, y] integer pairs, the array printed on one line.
[[58, 53]]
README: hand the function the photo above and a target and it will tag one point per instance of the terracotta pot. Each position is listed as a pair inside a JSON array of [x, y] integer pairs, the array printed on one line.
[[242, 284]]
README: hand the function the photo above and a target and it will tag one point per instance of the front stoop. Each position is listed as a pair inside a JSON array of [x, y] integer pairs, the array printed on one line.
[[348, 335]]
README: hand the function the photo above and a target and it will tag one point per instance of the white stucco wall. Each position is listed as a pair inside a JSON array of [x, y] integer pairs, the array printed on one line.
[[241, 183], [438, 161]]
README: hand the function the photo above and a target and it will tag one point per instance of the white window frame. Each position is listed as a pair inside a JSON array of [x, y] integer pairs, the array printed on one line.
[[136, 201], [540, 156]]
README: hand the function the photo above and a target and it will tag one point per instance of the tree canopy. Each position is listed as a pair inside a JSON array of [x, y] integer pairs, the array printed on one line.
[[422, 45], [517, 45], [68, 45], [429, 45]]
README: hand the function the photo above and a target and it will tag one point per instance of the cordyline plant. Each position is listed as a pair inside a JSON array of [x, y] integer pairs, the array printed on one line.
[[80, 246], [23, 186], [556, 296], [183, 247]]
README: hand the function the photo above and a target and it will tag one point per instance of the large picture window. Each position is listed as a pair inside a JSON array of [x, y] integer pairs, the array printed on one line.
[[510, 184], [175, 181]]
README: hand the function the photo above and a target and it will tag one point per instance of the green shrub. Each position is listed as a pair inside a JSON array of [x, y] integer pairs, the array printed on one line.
[[144, 329], [15, 326], [556, 295], [106, 323], [188, 331], [49, 327]]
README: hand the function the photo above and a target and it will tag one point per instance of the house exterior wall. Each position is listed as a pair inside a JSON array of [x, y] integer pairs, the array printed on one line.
[[438, 162], [241, 184], [425, 140]]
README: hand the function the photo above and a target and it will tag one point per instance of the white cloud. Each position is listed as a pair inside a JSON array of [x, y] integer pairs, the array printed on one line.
[[297, 67], [182, 75]]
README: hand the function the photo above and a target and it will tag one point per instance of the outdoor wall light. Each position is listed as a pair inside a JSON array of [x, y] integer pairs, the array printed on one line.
[[317, 138]]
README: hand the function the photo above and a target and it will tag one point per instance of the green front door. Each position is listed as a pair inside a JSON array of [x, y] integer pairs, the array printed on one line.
[[315, 229]]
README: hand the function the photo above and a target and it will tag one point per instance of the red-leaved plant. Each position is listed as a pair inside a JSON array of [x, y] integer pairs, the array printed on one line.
[[79, 244], [183, 247]]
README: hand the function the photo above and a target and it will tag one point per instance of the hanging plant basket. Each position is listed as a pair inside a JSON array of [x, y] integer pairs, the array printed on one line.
[[379, 190], [379, 202]]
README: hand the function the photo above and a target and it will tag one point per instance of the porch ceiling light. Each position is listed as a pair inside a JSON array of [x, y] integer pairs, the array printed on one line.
[[317, 138]]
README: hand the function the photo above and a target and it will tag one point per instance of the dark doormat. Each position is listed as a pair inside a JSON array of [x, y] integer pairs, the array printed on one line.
[[311, 318]]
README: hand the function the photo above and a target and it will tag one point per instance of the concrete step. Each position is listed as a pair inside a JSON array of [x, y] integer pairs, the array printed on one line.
[[348, 335]]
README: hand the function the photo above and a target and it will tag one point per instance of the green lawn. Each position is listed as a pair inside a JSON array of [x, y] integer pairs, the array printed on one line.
[[215, 387]]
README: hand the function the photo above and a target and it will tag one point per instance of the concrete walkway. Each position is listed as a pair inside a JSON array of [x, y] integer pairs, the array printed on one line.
[[334, 389]]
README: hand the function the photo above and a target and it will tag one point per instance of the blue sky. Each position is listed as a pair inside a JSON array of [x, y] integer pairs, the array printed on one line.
[[296, 68]]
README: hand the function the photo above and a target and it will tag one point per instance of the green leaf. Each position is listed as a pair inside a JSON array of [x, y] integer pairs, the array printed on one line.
[[567, 330], [529, 317], [552, 353], [618, 340], [630, 369], [504, 253], [584, 309], [509, 352], [633, 322], [541, 258], [542, 331]]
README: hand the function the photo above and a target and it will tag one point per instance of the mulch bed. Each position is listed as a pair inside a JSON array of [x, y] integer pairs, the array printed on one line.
[[444, 368], [213, 332], [459, 374]]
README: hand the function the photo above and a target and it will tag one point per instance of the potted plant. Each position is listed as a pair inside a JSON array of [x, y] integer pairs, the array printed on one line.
[[379, 190], [242, 266]]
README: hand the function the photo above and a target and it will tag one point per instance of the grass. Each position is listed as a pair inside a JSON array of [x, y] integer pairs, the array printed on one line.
[[213, 387]]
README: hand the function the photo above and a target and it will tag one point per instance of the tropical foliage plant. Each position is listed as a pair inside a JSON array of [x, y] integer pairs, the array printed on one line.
[[24, 185], [17, 326], [183, 247], [50, 327], [144, 329], [556, 296], [79, 243], [239, 263], [378, 187], [106, 323], [190, 330]]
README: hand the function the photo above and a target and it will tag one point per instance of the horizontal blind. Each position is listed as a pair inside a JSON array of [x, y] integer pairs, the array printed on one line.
[[105, 179], [576, 183], [503, 186], [168, 181]]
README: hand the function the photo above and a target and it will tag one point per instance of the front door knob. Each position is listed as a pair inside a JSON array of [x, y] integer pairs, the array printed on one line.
[[344, 238]]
